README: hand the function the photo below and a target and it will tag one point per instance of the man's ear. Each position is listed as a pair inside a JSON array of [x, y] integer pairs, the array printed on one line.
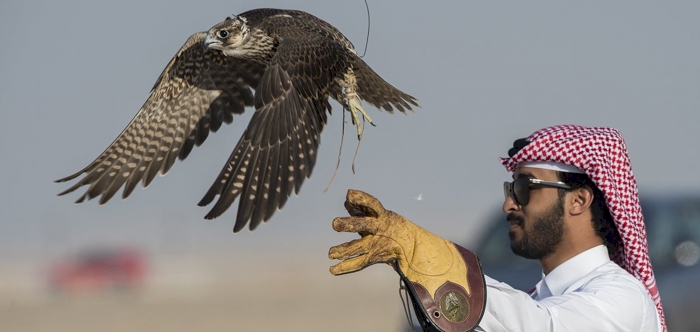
[[580, 200]]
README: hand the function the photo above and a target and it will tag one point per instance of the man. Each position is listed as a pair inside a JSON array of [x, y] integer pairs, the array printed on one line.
[[572, 204]]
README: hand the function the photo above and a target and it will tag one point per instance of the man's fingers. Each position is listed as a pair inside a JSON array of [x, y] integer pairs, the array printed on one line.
[[354, 210], [368, 218], [360, 262], [349, 249], [349, 265], [364, 202], [359, 253], [356, 225]]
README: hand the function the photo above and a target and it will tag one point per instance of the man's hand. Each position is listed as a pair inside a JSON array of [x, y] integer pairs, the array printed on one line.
[[374, 224], [387, 237], [433, 269]]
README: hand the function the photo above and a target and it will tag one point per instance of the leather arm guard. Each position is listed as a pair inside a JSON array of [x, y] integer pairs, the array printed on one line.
[[452, 308]]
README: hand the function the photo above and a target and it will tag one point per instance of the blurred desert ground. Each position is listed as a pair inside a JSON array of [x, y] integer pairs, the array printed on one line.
[[184, 294]]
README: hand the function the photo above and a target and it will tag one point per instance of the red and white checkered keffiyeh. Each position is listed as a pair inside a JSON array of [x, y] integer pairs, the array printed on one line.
[[601, 153]]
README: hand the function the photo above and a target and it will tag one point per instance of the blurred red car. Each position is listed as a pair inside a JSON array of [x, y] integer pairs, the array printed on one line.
[[99, 271]]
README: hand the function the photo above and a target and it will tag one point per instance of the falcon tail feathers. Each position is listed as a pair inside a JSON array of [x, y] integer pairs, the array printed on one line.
[[378, 92]]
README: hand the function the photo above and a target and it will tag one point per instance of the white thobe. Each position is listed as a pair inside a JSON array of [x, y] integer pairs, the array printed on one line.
[[588, 292]]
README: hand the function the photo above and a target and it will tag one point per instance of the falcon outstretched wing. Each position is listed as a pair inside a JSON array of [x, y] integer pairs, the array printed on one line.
[[278, 149], [197, 91]]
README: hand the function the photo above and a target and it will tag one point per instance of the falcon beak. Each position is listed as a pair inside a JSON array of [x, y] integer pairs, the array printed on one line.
[[210, 42]]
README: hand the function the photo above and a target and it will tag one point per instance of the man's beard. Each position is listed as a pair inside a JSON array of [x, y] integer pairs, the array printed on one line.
[[542, 236]]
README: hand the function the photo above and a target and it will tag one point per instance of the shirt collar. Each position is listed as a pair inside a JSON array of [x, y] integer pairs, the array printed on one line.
[[564, 275]]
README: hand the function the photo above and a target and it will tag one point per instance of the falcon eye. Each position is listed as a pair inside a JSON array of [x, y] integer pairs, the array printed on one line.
[[222, 34]]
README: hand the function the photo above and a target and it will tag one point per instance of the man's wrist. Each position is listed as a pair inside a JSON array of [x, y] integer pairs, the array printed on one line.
[[452, 306]]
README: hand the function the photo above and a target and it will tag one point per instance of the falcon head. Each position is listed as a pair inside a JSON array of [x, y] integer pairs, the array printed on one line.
[[228, 36]]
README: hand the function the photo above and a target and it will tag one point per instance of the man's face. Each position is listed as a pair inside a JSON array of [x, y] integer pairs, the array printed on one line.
[[537, 228]]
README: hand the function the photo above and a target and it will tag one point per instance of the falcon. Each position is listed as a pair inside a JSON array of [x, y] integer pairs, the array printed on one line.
[[286, 64]]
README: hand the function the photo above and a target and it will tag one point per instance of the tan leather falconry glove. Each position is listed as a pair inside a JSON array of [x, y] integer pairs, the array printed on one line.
[[444, 280]]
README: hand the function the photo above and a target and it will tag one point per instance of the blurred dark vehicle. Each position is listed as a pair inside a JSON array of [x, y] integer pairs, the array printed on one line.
[[95, 271], [673, 234]]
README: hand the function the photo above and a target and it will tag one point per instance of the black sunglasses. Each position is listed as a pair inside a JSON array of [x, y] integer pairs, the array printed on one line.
[[520, 189]]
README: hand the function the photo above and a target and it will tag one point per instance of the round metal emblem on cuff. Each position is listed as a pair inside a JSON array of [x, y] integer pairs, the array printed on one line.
[[454, 306]]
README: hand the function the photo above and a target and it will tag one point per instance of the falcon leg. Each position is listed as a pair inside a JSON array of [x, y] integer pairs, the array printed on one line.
[[354, 104]]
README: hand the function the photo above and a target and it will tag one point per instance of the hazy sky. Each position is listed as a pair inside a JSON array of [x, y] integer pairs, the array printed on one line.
[[74, 73]]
